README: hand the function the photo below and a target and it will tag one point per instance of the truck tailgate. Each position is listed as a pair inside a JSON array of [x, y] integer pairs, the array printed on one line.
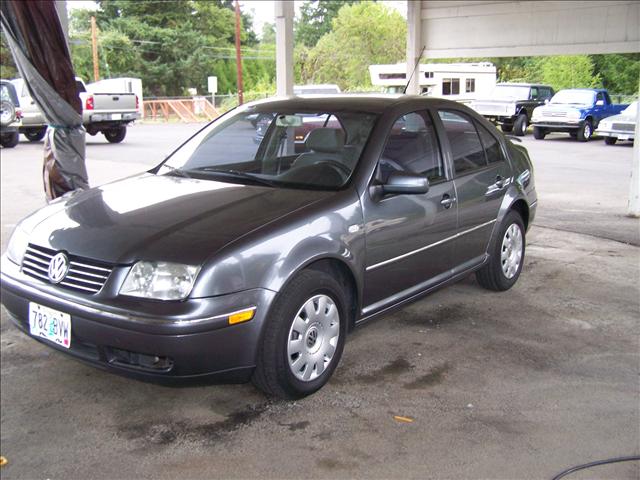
[[114, 102]]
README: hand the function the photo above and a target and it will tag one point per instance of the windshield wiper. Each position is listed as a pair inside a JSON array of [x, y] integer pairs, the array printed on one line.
[[237, 174], [181, 173]]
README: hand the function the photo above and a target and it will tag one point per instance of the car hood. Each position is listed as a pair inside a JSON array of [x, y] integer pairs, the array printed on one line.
[[153, 217], [620, 118]]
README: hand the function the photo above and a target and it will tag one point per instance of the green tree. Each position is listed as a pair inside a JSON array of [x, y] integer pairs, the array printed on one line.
[[7, 66], [620, 73], [315, 20], [363, 34], [565, 71]]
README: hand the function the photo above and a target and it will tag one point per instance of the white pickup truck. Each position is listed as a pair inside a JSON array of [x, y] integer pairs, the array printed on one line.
[[106, 113]]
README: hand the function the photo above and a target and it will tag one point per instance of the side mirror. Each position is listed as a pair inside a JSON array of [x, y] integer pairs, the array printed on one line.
[[406, 183], [600, 103], [546, 100]]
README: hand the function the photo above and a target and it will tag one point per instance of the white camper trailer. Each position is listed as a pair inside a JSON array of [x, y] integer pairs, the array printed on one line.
[[454, 81], [118, 85]]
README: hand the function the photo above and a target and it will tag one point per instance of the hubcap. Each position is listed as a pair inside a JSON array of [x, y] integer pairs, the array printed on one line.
[[313, 338], [511, 252], [587, 130]]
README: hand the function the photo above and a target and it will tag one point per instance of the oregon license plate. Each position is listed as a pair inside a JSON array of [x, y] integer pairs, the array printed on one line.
[[50, 324]]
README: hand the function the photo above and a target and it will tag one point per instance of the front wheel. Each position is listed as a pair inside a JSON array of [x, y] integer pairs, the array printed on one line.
[[506, 260], [303, 338], [585, 131], [115, 135], [610, 140], [35, 135], [539, 133], [10, 140], [506, 128], [520, 127]]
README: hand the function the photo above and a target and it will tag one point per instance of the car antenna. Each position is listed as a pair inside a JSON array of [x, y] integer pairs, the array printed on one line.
[[414, 70]]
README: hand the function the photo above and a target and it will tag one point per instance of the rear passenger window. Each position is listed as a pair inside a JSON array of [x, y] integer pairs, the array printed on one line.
[[491, 145], [412, 147], [466, 148]]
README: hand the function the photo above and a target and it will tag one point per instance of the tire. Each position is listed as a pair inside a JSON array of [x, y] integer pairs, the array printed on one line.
[[7, 113], [506, 260], [520, 125], [610, 140], [115, 135], [36, 134], [585, 131], [280, 368], [10, 140], [506, 128], [539, 133]]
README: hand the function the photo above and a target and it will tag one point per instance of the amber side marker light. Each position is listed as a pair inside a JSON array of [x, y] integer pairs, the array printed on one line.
[[242, 315]]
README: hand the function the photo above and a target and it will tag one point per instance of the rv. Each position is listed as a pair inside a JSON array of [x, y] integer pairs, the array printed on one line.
[[454, 81]]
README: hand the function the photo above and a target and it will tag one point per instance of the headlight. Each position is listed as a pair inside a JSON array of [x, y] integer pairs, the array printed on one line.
[[160, 280], [574, 114], [604, 126], [17, 245], [536, 114]]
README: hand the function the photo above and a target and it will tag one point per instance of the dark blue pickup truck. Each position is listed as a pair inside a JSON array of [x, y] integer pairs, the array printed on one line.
[[574, 111]]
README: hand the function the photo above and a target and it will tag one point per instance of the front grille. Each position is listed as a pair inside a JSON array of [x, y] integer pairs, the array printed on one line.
[[624, 127], [555, 114], [84, 275]]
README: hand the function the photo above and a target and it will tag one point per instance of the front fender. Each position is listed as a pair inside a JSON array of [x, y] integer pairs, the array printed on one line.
[[269, 257]]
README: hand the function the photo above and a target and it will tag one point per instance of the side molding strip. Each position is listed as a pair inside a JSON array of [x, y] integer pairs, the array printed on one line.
[[422, 249]]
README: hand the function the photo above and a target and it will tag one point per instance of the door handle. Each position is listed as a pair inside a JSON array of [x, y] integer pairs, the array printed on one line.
[[447, 201]]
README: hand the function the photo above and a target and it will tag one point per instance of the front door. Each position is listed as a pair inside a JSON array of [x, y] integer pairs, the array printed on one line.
[[407, 235]]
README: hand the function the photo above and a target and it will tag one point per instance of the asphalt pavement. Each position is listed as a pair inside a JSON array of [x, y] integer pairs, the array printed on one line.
[[521, 384]]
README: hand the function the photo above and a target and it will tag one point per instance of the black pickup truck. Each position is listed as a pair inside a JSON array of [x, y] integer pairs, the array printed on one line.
[[511, 105]]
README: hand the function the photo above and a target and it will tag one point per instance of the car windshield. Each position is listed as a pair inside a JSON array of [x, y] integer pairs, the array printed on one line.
[[304, 149], [511, 92], [576, 97], [631, 109]]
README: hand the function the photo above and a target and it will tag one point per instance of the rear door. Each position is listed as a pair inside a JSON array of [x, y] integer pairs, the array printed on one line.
[[408, 236], [482, 176]]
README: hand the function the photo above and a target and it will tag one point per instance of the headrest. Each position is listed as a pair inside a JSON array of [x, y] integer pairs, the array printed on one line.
[[326, 140]]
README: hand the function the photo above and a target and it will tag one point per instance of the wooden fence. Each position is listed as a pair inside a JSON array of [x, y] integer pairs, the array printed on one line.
[[186, 109]]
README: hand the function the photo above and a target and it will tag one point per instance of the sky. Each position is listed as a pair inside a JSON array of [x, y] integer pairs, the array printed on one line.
[[263, 10]]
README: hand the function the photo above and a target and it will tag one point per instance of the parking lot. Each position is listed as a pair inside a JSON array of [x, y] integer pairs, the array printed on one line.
[[519, 384]]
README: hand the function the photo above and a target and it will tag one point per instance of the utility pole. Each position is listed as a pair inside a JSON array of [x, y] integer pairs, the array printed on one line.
[[239, 55], [94, 46]]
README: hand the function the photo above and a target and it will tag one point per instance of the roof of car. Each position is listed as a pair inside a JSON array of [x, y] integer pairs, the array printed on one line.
[[518, 84], [374, 103]]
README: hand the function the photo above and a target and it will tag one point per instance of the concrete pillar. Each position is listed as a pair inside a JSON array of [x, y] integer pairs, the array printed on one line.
[[634, 187], [414, 44], [284, 47]]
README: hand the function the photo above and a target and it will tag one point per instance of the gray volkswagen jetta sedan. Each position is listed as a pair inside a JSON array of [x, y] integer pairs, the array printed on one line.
[[250, 256]]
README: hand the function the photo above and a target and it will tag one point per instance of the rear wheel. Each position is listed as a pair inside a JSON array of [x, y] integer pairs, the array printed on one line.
[[303, 338], [520, 126], [7, 113], [585, 131], [506, 260], [36, 134], [10, 140], [610, 140], [115, 135], [539, 133]]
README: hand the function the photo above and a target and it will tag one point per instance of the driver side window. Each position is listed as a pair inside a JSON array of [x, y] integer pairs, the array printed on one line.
[[412, 146]]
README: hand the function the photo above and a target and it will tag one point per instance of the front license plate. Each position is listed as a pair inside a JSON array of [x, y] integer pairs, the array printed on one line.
[[116, 116], [51, 324]]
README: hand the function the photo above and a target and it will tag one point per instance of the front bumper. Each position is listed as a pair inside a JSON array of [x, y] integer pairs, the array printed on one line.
[[564, 126], [620, 134], [192, 340]]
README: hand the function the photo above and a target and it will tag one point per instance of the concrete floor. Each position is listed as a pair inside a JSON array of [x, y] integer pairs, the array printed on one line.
[[521, 384]]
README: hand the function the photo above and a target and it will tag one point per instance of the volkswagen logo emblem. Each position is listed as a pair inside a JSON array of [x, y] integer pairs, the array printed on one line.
[[58, 267]]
